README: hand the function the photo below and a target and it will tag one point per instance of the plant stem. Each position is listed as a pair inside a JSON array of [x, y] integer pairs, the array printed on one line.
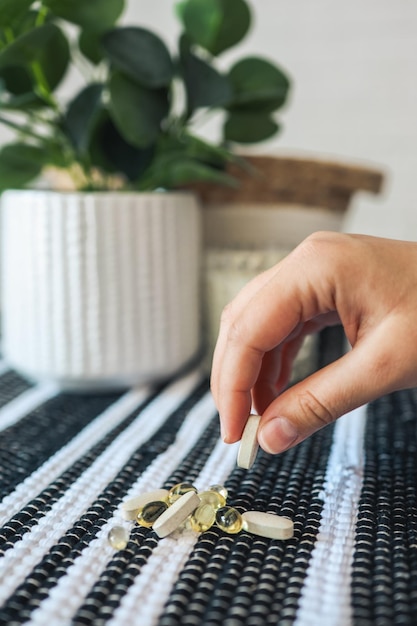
[[8, 35], [41, 17], [42, 87], [25, 130]]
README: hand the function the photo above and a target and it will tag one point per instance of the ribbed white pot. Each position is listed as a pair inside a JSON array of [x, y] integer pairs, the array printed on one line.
[[100, 289]]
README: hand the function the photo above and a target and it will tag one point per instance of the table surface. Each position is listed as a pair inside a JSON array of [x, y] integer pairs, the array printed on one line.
[[68, 461]]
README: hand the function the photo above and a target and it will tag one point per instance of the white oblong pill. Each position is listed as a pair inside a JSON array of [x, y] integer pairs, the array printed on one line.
[[267, 525], [249, 442], [176, 514], [129, 508]]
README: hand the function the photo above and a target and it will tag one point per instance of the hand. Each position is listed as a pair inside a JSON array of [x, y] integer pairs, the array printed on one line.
[[367, 284]]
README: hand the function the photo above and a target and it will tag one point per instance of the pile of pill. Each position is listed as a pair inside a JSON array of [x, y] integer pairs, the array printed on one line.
[[184, 507]]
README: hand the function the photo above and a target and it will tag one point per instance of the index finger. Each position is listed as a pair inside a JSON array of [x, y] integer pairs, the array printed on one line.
[[239, 303], [256, 324], [245, 336]]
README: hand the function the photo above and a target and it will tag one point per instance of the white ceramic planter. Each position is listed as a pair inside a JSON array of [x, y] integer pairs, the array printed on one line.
[[100, 289]]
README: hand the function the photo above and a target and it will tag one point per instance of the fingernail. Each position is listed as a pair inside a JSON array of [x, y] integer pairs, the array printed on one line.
[[223, 433], [277, 435]]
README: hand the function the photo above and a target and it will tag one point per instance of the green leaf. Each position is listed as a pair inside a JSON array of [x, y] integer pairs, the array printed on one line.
[[89, 44], [45, 45], [81, 114], [258, 84], [20, 164], [17, 90], [205, 86], [93, 15], [137, 111], [183, 144], [55, 155], [247, 127], [19, 26], [29, 47], [12, 11], [172, 171], [181, 159], [208, 153], [16, 80], [22, 103], [235, 25], [55, 59], [201, 20], [215, 25], [140, 54], [112, 153]]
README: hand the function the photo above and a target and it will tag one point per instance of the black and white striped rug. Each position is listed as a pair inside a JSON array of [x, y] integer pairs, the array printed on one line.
[[67, 462]]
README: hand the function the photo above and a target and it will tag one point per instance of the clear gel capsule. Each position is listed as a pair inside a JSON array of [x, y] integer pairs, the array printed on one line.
[[203, 518], [221, 489], [214, 498], [150, 513], [229, 520], [118, 537], [179, 490], [131, 507]]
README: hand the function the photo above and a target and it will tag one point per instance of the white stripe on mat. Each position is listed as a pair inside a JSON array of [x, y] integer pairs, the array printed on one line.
[[325, 597], [26, 402], [4, 367], [68, 595], [70, 453], [27, 552]]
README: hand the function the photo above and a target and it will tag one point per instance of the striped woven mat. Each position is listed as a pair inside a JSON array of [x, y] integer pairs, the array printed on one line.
[[68, 461]]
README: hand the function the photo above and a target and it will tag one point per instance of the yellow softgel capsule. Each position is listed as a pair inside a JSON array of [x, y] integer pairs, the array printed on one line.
[[150, 513], [186, 525], [118, 537], [176, 514], [229, 520], [131, 507], [214, 498], [221, 489], [203, 518], [179, 490]]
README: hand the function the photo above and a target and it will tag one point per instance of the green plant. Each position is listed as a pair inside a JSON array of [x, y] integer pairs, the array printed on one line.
[[135, 115]]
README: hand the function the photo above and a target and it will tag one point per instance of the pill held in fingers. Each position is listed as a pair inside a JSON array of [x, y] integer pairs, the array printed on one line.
[[249, 442], [267, 525], [176, 514]]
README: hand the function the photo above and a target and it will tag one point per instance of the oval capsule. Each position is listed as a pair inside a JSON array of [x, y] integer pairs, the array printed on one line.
[[267, 525]]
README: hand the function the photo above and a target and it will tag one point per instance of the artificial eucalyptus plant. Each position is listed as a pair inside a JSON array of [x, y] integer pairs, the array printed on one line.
[[133, 116]]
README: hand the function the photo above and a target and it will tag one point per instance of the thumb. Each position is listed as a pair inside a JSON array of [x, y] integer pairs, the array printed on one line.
[[324, 396]]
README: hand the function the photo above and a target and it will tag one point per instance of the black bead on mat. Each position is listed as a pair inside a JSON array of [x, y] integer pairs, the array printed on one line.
[[11, 386], [384, 577]]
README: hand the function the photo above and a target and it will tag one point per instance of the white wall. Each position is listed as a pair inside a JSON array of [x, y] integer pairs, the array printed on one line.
[[354, 67]]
